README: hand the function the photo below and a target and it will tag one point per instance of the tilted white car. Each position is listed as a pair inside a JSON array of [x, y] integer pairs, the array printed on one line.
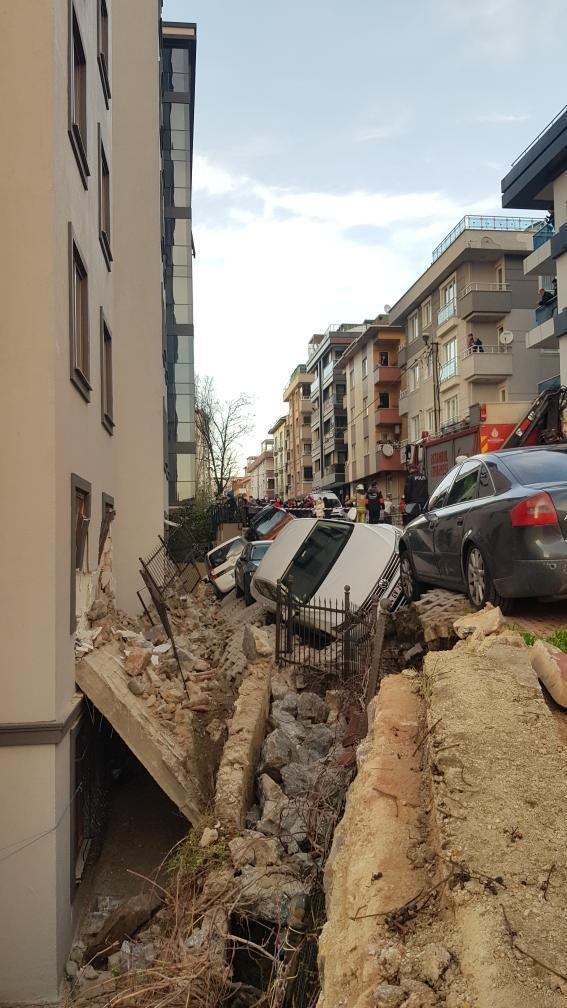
[[319, 557], [221, 562]]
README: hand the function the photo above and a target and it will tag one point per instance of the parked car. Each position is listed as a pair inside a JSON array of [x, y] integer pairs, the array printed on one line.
[[333, 506], [495, 527], [247, 565], [268, 523], [221, 562], [315, 559]]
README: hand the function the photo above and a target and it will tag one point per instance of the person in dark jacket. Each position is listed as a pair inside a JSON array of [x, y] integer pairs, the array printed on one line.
[[416, 494], [374, 505]]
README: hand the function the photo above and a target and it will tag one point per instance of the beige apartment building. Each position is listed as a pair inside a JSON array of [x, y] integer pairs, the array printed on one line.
[[81, 402], [374, 426], [466, 320], [297, 394], [260, 469], [279, 433]]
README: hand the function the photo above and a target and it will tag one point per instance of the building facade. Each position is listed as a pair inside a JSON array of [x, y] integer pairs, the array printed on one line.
[[538, 181], [374, 426], [297, 394], [82, 389], [328, 404], [466, 321], [260, 469], [279, 433], [178, 50]]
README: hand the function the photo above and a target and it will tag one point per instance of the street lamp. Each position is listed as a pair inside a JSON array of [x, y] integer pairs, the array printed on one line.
[[433, 348]]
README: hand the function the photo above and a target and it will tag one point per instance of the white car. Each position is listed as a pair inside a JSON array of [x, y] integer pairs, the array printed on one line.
[[221, 562], [319, 557], [331, 501]]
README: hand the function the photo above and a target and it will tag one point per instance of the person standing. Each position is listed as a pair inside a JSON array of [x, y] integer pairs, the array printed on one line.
[[374, 500], [416, 494], [319, 508], [388, 510], [361, 502]]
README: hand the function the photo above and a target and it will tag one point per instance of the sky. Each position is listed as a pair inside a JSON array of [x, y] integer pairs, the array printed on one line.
[[335, 145]]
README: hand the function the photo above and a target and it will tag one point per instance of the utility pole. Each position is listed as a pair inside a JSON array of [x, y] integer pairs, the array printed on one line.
[[433, 348]]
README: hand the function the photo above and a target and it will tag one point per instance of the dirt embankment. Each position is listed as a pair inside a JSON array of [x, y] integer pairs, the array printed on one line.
[[446, 880]]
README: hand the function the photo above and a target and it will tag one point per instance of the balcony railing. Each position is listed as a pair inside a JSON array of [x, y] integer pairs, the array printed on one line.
[[545, 232], [446, 312], [448, 370], [546, 311], [501, 349], [484, 287], [485, 224], [404, 393]]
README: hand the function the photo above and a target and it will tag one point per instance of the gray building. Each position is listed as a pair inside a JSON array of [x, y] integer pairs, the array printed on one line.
[[328, 405], [178, 45], [466, 321], [538, 181]]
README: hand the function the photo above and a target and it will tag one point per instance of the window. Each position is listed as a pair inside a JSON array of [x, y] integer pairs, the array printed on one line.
[[106, 374], [103, 55], [502, 394], [543, 466], [77, 93], [315, 559], [365, 406], [103, 202], [485, 485], [307, 473], [464, 487], [352, 412], [108, 514], [351, 377], [449, 292], [426, 314], [413, 327], [78, 318], [451, 409], [439, 495], [364, 367], [80, 518], [383, 358], [366, 446], [415, 432], [226, 551], [384, 400], [413, 377], [450, 351], [431, 421], [500, 275]]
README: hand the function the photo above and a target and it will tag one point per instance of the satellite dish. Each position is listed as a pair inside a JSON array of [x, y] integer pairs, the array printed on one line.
[[387, 308], [387, 449], [506, 337]]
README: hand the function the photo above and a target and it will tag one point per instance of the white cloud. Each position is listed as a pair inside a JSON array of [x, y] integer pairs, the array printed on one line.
[[265, 281], [386, 131], [500, 117]]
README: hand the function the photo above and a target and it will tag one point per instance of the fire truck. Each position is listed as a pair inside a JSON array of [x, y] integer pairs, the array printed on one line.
[[494, 427]]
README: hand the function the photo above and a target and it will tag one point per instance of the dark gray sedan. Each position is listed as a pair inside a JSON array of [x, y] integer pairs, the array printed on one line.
[[495, 527], [247, 565]]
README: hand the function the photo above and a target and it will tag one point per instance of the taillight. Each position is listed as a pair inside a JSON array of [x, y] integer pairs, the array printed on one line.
[[536, 510]]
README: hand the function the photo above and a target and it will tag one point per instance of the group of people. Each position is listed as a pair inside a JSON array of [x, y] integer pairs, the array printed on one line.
[[475, 344], [371, 505]]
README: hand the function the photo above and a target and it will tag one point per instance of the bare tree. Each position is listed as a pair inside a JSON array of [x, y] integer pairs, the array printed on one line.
[[221, 427]]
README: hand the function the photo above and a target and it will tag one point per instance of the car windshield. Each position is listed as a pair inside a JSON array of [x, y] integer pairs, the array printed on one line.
[[225, 552], [257, 552], [312, 563], [268, 523], [534, 467]]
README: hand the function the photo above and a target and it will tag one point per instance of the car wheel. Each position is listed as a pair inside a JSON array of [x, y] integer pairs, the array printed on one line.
[[410, 585], [248, 599], [239, 592], [480, 586]]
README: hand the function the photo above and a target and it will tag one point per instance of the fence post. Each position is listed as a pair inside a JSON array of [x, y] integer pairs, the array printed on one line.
[[278, 620], [347, 634], [382, 610], [289, 619]]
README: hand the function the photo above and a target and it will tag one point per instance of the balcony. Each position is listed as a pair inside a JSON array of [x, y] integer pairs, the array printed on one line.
[[543, 335], [485, 300], [333, 402], [332, 475], [388, 463], [387, 415], [386, 375], [494, 364], [449, 372], [314, 388], [446, 313], [403, 402], [546, 311], [485, 224], [402, 356], [305, 433]]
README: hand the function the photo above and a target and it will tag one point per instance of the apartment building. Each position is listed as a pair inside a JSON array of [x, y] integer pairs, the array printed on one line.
[[178, 50], [260, 469], [374, 425], [81, 402], [538, 181], [279, 433], [466, 320], [328, 407], [297, 394]]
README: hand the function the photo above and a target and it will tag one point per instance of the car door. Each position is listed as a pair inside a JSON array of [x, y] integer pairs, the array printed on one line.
[[419, 535], [452, 519]]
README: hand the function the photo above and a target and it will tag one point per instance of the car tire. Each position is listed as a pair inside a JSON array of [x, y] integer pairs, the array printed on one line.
[[238, 589], [411, 587], [479, 583], [248, 598]]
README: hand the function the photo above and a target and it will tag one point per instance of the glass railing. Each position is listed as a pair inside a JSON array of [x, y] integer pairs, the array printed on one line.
[[485, 224], [446, 312], [544, 233], [448, 370], [546, 311]]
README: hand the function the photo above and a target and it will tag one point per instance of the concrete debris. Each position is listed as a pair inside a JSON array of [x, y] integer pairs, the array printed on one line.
[[488, 620], [136, 661], [550, 666], [251, 848], [136, 686], [278, 750], [388, 996], [162, 648], [267, 894], [124, 921], [311, 708], [71, 969], [208, 837], [155, 634], [256, 643], [98, 609]]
